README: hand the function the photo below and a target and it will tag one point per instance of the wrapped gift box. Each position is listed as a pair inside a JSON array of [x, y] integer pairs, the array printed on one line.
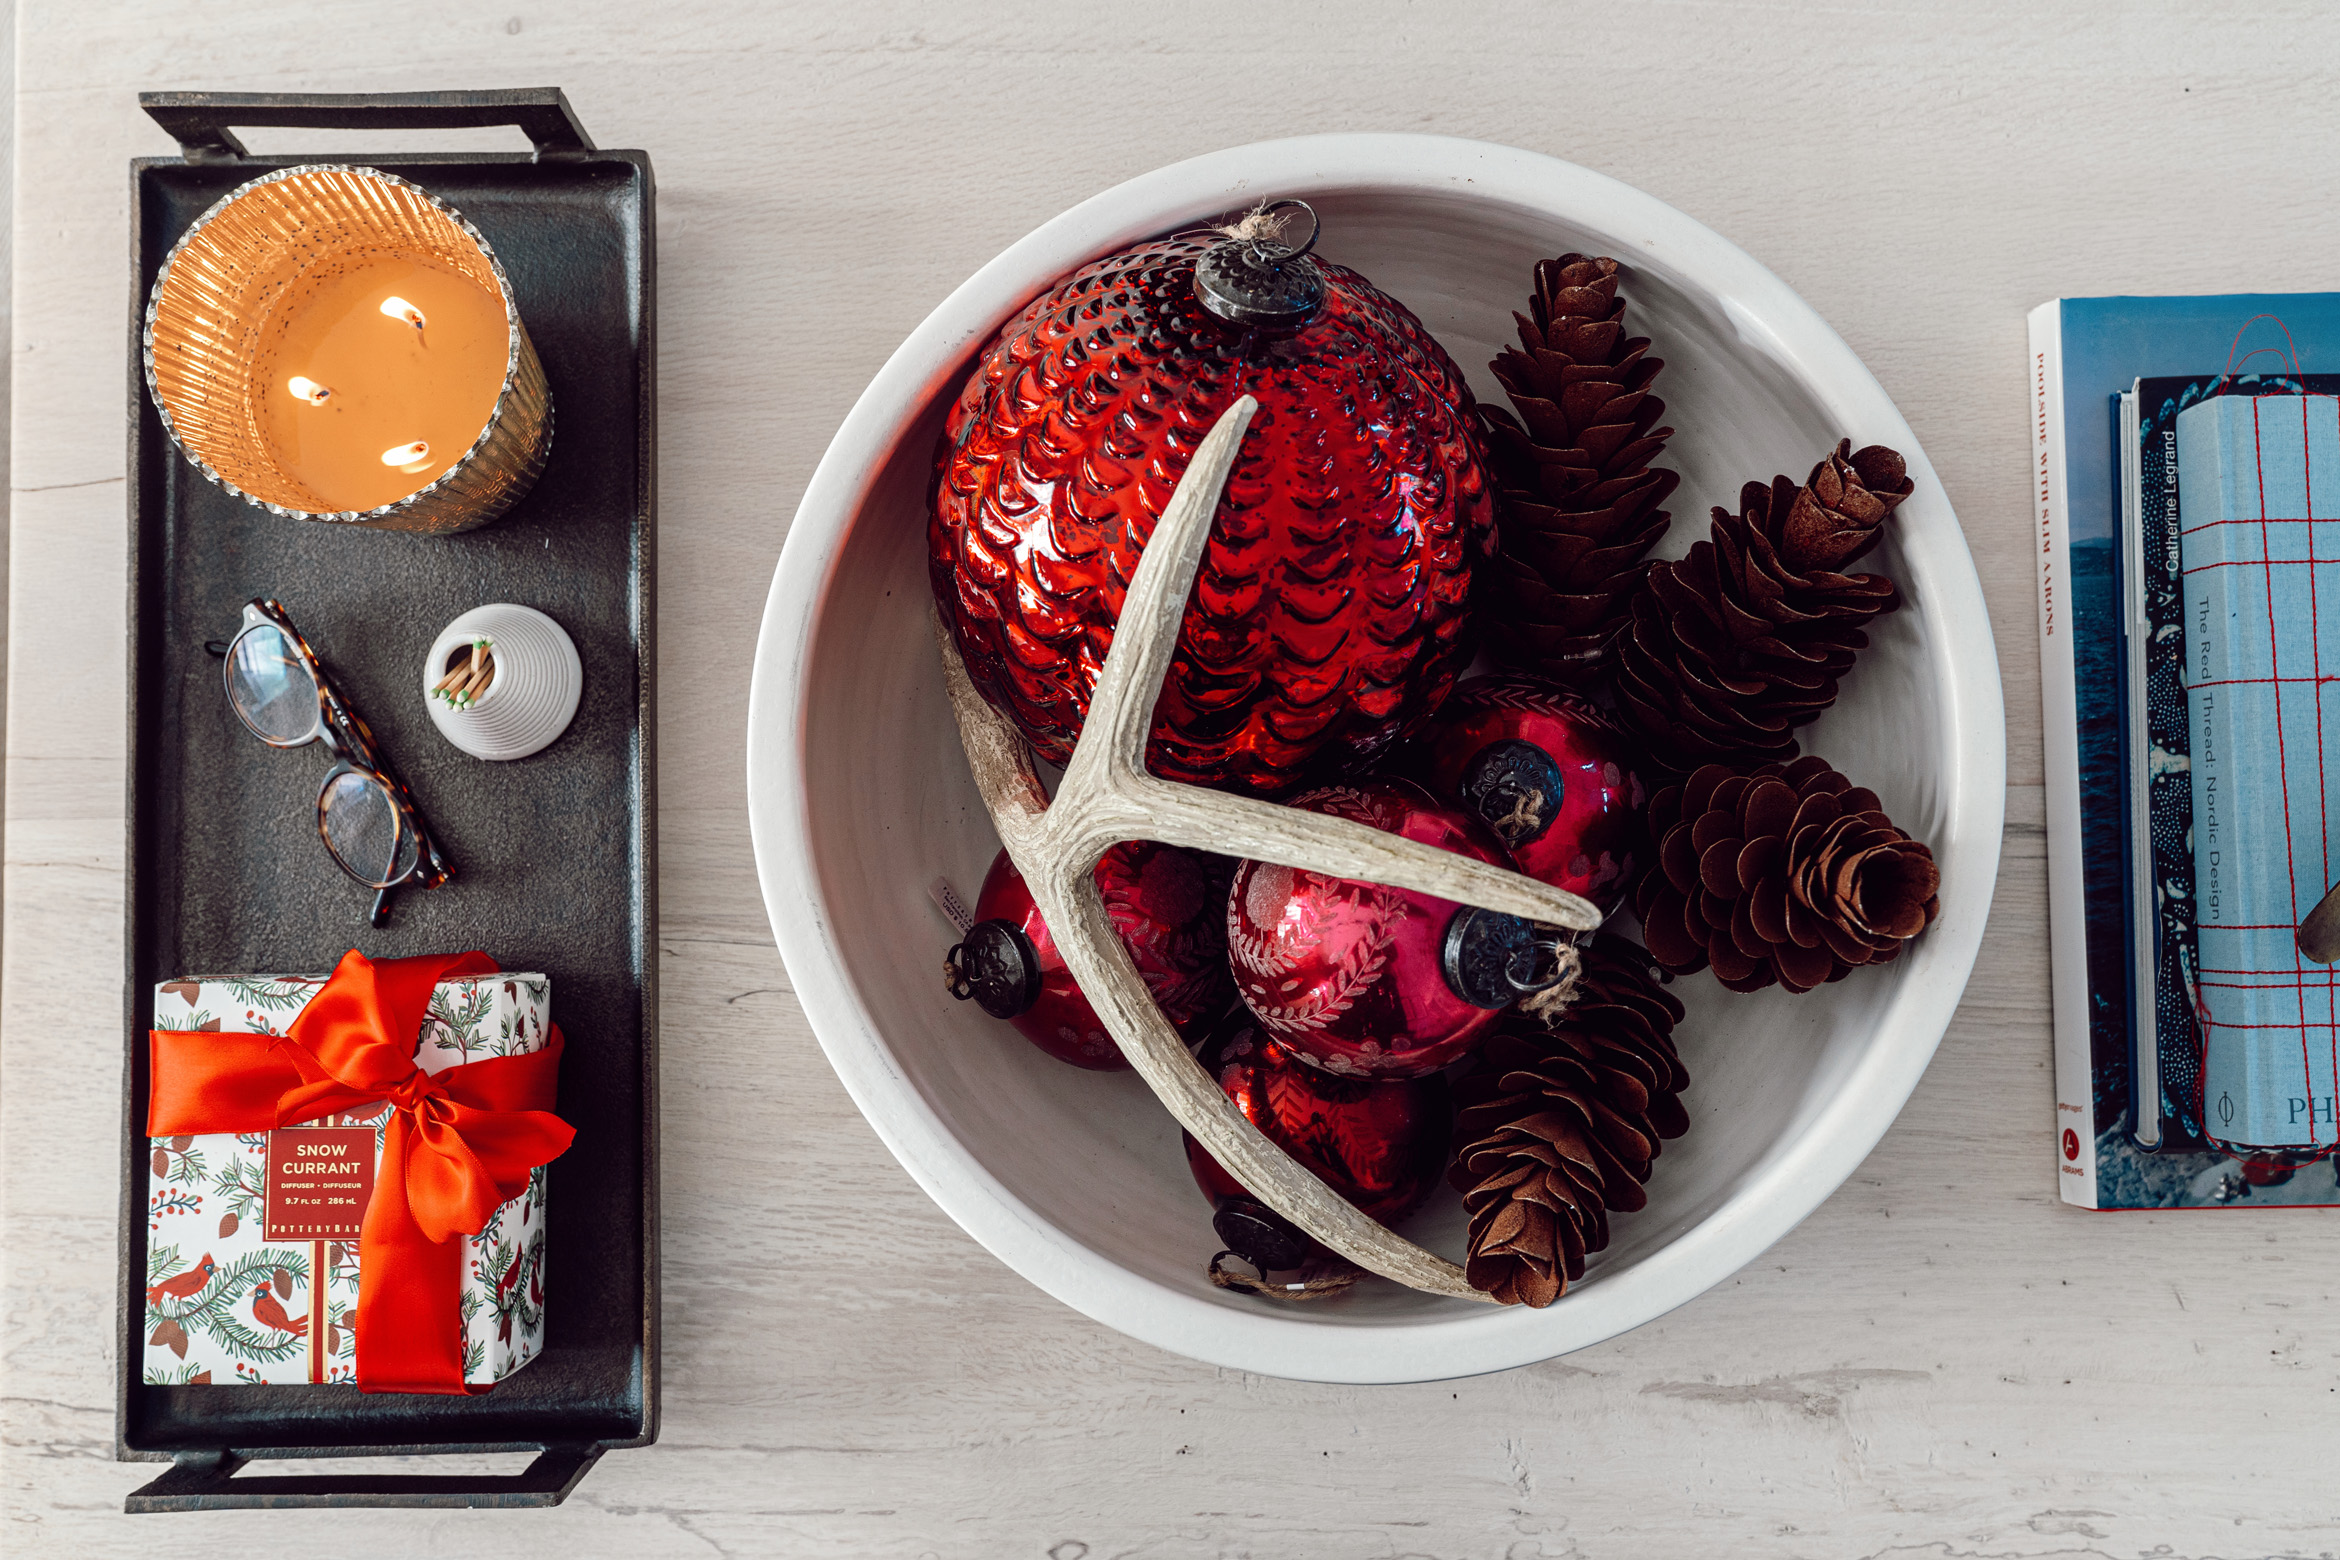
[[253, 1276]]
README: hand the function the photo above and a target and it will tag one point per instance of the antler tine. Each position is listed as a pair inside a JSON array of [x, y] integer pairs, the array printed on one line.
[[1121, 708], [1111, 755], [996, 752], [1339, 847]]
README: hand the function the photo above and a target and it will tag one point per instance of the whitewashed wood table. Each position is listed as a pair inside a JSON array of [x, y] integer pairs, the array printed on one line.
[[1942, 1362]]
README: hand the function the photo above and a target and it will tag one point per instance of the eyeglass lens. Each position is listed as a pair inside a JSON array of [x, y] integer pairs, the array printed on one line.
[[362, 829], [270, 688]]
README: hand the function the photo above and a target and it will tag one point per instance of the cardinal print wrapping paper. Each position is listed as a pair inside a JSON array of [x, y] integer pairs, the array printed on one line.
[[252, 1272]]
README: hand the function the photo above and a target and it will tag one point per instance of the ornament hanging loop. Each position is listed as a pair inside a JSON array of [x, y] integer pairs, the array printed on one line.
[[1107, 797], [1560, 981], [1539, 964], [1266, 251]]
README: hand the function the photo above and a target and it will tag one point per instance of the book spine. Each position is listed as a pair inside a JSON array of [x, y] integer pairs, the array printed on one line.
[[2131, 565], [2075, 1114], [2215, 612], [2166, 1069]]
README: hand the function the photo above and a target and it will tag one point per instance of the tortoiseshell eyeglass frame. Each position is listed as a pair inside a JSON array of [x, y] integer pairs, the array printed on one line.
[[351, 742]]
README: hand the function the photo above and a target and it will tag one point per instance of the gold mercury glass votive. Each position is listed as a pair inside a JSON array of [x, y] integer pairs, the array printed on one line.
[[263, 262]]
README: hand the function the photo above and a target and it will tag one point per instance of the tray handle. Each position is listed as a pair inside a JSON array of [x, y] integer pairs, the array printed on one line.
[[206, 1481], [201, 120]]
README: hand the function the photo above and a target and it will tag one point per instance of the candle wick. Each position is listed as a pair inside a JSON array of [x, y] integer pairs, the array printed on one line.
[[409, 458], [398, 308]]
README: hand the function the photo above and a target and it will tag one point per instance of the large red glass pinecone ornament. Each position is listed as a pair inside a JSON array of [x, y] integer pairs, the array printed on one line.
[[1734, 646], [1789, 873], [1331, 611], [1559, 1126]]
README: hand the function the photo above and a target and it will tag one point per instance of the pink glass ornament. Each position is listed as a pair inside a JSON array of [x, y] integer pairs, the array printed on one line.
[[1368, 981]]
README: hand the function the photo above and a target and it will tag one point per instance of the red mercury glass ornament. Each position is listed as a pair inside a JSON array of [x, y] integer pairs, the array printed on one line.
[[1552, 775], [1382, 1145], [1166, 903], [1369, 981], [1330, 616]]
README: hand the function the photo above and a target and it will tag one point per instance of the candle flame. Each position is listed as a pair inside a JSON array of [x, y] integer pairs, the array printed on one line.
[[409, 458], [307, 389], [399, 309]]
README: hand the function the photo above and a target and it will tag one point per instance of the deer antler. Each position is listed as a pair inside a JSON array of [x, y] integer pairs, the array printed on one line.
[[1107, 797]]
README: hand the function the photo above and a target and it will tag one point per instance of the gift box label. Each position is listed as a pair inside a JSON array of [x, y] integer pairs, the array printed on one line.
[[253, 1237], [318, 1183]]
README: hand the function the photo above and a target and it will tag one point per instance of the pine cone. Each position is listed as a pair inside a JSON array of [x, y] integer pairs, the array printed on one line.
[[1576, 499], [1560, 1126], [1736, 645], [1791, 873]]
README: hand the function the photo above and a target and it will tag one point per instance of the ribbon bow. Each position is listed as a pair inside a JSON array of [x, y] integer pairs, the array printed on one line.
[[459, 1146]]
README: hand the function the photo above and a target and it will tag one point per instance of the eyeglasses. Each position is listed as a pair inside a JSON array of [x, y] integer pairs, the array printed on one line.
[[365, 815]]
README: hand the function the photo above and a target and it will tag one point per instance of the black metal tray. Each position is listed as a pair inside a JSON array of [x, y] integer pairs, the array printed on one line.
[[554, 856]]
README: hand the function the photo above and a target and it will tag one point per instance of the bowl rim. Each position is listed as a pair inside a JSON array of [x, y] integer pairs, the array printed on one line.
[[1461, 1340]]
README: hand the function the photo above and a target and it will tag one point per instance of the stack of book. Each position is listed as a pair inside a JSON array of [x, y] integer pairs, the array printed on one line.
[[2187, 484]]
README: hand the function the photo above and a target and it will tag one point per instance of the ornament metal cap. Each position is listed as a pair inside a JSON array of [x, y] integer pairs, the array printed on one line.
[[1491, 960], [1258, 1236], [1249, 278], [1515, 788], [997, 966]]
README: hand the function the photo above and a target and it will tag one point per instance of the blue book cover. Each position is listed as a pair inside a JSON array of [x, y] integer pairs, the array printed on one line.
[[2259, 539], [2086, 352]]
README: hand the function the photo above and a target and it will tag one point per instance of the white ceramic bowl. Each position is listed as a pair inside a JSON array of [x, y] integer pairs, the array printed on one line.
[[859, 796]]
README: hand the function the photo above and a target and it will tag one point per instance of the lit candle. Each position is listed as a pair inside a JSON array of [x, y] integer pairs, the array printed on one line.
[[363, 404], [333, 343]]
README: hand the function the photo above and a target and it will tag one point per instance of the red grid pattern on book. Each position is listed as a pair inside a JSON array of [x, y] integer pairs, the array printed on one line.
[[2325, 978]]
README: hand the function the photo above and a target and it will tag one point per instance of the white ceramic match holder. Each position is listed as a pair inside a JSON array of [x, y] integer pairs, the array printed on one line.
[[530, 694]]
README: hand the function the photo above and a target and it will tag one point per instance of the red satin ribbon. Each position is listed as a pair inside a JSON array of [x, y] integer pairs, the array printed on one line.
[[459, 1146]]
